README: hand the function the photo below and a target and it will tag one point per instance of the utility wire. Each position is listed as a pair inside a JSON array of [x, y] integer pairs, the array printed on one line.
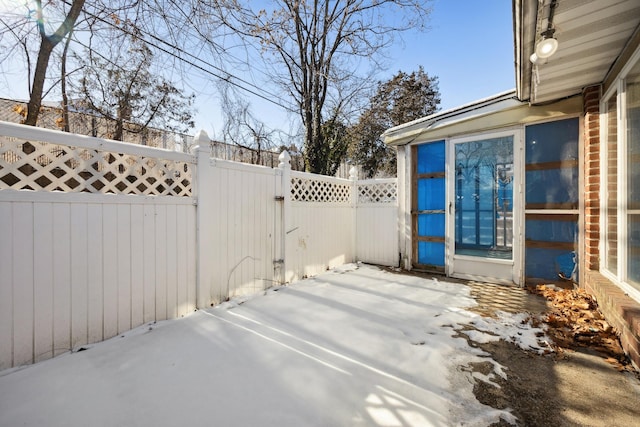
[[228, 77]]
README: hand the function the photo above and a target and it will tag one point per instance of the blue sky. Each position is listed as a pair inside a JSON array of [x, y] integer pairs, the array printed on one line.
[[469, 47]]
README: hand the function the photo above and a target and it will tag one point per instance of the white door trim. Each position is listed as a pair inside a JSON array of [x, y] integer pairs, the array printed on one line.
[[480, 268]]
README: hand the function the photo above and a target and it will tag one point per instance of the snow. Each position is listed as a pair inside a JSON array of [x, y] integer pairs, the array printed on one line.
[[356, 346], [515, 328]]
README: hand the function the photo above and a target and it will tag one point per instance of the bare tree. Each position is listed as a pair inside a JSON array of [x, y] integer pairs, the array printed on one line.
[[47, 43], [243, 129], [33, 35], [63, 83], [121, 88], [15, 36], [315, 46]]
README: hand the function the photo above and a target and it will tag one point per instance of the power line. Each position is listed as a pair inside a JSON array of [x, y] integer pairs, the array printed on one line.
[[228, 77], [228, 74]]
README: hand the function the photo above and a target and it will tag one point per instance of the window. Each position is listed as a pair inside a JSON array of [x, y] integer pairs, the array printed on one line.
[[429, 205], [551, 201], [611, 196], [632, 91], [621, 179]]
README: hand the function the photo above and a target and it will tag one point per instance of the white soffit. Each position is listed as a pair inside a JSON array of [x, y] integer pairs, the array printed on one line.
[[402, 134], [591, 35]]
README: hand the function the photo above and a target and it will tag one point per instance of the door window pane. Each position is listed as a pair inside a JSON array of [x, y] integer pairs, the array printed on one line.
[[484, 198]]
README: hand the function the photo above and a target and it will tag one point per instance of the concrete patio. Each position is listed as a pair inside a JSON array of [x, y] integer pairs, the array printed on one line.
[[358, 345], [354, 346]]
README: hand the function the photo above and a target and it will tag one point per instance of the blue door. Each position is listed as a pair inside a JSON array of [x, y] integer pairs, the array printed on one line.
[[428, 211]]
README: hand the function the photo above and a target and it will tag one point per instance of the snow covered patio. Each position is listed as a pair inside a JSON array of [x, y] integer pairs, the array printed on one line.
[[354, 346]]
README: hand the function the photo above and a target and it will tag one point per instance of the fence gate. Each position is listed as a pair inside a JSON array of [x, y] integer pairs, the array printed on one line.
[[244, 219]]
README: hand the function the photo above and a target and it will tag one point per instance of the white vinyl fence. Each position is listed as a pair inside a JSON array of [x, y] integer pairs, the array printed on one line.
[[238, 216], [376, 222], [319, 227], [98, 237]]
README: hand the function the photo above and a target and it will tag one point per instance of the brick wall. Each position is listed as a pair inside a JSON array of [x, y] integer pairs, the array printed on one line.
[[591, 100], [619, 309]]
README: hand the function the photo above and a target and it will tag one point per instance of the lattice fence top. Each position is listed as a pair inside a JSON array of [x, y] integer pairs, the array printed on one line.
[[42, 166], [378, 192], [314, 190]]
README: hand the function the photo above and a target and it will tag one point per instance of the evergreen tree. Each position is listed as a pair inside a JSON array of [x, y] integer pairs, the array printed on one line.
[[403, 98]]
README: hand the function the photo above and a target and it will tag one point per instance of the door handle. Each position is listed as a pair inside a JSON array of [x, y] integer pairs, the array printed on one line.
[[449, 208]]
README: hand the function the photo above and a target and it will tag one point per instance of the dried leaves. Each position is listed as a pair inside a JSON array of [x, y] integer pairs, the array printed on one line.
[[574, 321]]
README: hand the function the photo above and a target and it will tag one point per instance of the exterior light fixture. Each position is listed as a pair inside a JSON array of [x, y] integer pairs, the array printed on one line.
[[533, 58], [547, 46]]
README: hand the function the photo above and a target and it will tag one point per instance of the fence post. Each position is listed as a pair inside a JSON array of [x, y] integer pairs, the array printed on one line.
[[285, 220], [353, 176], [404, 207], [204, 232]]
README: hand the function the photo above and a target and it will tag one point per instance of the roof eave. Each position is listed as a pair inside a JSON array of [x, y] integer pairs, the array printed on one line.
[[525, 16], [407, 132]]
